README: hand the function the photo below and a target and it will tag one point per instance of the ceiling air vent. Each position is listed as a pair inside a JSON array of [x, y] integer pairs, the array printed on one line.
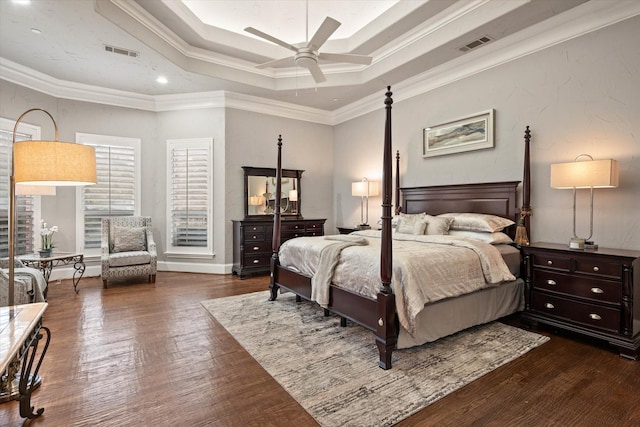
[[474, 44], [121, 51]]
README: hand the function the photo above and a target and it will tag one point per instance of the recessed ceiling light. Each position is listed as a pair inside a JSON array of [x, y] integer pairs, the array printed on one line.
[[162, 80], [36, 31]]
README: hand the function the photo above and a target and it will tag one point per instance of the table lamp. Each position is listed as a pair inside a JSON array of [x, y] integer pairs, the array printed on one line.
[[364, 189], [589, 174]]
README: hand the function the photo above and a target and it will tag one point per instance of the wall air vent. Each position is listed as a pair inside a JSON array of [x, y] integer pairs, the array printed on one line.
[[474, 44], [121, 51]]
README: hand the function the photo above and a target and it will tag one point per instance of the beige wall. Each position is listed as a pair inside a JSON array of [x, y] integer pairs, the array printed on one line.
[[582, 96]]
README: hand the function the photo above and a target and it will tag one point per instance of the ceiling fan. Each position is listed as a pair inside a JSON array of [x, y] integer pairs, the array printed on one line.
[[307, 56]]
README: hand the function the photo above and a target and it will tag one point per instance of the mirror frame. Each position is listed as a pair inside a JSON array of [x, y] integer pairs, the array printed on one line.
[[271, 172]]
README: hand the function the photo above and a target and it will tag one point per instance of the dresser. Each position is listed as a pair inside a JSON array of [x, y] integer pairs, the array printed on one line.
[[594, 293], [252, 241]]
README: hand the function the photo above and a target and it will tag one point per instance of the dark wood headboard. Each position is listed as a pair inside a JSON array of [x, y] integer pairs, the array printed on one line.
[[496, 198]]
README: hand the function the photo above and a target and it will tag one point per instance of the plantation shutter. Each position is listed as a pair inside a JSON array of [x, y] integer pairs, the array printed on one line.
[[189, 195], [114, 192], [24, 204]]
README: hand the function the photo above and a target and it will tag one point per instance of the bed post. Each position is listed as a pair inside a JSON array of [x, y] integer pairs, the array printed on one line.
[[398, 208], [523, 229], [276, 224], [386, 329]]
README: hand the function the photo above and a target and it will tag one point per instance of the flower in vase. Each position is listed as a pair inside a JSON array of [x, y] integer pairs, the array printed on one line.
[[46, 235]]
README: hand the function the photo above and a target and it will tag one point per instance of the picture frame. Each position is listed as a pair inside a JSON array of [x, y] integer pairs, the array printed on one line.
[[465, 134]]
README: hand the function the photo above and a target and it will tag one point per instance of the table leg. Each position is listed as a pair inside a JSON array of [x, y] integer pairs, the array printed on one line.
[[77, 275], [28, 378]]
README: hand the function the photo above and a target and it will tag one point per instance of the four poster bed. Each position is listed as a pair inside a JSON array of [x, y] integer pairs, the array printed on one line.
[[358, 277]]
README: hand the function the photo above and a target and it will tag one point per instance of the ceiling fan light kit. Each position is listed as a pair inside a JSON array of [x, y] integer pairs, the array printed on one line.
[[307, 56]]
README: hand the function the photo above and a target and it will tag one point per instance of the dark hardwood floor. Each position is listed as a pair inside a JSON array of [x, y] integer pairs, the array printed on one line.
[[139, 354]]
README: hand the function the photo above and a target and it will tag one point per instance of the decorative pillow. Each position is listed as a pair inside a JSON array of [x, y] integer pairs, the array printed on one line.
[[411, 223], [496, 238], [477, 222], [436, 225], [127, 239]]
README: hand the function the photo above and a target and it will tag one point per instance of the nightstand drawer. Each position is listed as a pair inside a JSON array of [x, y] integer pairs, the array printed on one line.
[[257, 247], [261, 260], [550, 260], [604, 268], [254, 237], [594, 316], [593, 289]]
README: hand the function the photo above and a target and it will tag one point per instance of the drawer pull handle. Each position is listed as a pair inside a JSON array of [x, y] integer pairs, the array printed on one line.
[[596, 268], [597, 291], [255, 248], [551, 282], [255, 261], [549, 305], [549, 262], [254, 237], [594, 316]]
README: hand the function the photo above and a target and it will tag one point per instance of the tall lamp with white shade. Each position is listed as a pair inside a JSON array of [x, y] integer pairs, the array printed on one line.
[[48, 164], [365, 189], [589, 174]]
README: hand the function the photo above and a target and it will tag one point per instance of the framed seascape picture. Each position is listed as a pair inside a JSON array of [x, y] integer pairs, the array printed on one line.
[[466, 134]]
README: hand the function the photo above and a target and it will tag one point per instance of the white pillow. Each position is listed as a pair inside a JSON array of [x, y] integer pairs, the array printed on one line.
[[411, 223], [437, 225], [477, 222], [495, 238]]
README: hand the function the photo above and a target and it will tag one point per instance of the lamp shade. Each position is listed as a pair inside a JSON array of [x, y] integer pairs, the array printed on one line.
[[35, 190], [365, 188], [255, 200], [54, 163], [585, 174], [293, 195]]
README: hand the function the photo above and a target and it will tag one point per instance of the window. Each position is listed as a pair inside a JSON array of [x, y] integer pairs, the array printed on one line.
[[117, 190], [189, 196], [27, 207]]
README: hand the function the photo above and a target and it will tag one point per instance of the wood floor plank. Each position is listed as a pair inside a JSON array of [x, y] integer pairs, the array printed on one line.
[[140, 354]]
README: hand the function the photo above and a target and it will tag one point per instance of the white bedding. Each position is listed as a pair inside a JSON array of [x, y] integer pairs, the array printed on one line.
[[422, 268]]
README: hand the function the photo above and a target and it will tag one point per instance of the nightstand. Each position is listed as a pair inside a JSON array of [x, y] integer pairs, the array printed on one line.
[[590, 292]]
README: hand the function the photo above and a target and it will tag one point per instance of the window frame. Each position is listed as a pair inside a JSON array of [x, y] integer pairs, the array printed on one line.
[[7, 125], [193, 252], [109, 140]]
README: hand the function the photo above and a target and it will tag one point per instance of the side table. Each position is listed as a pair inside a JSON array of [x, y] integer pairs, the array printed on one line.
[[46, 264]]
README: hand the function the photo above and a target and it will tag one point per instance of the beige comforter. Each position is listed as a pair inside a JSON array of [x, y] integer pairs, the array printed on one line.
[[425, 268]]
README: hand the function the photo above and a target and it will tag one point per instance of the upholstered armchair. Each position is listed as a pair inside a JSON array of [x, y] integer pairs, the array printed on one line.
[[127, 248], [29, 284]]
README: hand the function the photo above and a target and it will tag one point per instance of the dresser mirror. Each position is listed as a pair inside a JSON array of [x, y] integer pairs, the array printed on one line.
[[260, 189]]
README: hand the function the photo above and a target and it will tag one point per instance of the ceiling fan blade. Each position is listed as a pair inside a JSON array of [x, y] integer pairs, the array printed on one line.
[[270, 38], [346, 57], [286, 62], [317, 73], [328, 27]]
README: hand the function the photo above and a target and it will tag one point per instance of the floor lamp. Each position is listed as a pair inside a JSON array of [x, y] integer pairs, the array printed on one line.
[[44, 163]]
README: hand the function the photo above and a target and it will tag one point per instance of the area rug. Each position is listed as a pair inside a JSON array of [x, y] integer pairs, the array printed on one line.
[[333, 371]]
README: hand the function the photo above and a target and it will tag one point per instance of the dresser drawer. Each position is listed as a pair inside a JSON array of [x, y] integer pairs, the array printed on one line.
[[284, 236], [284, 227], [257, 247], [251, 228], [599, 267], [552, 260], [257, 260], [315, 226], [591, 315], [583, 287]]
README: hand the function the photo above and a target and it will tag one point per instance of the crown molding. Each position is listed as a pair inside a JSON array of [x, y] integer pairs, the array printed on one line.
[[584, 19], [581, 20]]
